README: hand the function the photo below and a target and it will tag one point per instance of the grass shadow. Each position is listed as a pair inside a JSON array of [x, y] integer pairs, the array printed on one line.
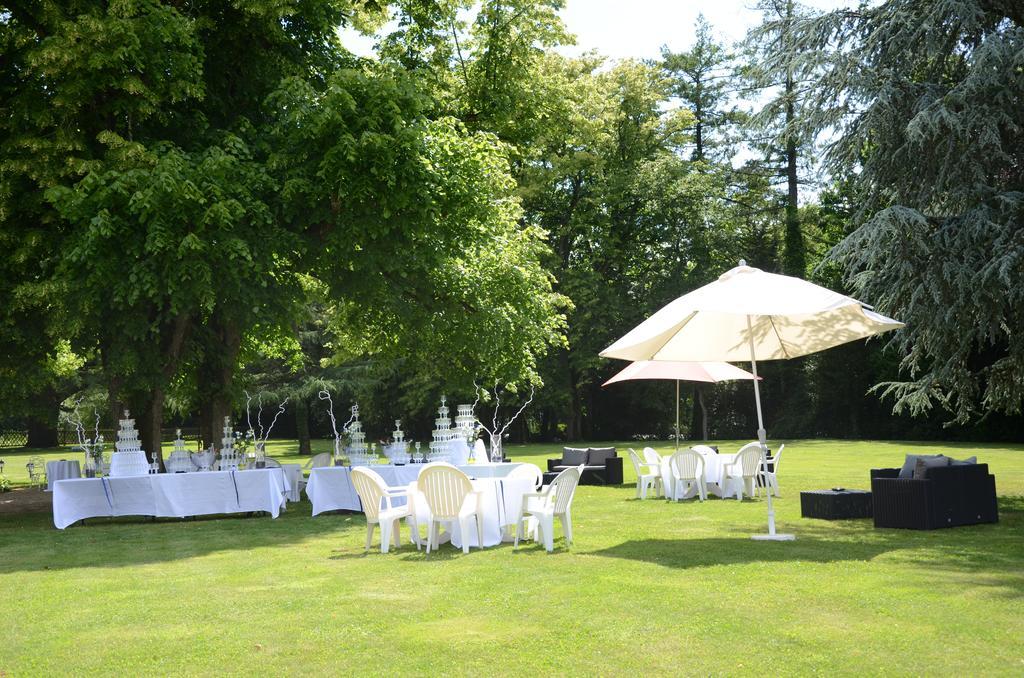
[[992, 550], [30, 543]]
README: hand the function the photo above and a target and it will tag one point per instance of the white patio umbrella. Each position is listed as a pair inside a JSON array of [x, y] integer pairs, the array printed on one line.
[[709, 372], [748, 314]]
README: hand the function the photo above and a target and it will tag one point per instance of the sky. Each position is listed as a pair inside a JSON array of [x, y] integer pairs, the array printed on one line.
[[623, 29]]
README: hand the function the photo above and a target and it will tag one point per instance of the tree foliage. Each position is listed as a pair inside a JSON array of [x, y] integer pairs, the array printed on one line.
[[926, 100]]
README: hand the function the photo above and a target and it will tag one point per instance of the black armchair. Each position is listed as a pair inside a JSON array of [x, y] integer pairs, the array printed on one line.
[[948, 496], [601, 465]]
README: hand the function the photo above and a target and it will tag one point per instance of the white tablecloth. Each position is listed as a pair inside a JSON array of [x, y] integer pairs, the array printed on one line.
[[713, 464], [502, 499], [330, 487], [170, 495], [489, 470], [61, 470], [293, 472]]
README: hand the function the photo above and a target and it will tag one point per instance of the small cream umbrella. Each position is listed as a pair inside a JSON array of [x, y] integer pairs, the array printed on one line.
[[709, 372], [748, 314]]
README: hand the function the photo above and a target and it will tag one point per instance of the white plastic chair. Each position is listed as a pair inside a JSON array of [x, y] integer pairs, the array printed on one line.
[[554, 502], [531, 471], [372, 489], [647, 476], [743, 467], [703, 449], [450, 497], [771, 477], [687, 469], [318, 461], [270, 462], [652, 457]]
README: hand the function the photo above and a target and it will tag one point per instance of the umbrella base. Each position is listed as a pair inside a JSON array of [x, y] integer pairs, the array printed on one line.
[[774, 537]]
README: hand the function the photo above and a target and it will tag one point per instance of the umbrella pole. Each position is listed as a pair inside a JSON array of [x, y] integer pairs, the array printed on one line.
[[677, 415], [762, 438]]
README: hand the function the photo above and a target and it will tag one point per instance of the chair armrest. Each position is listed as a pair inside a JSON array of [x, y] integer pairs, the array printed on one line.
[[552, 463]]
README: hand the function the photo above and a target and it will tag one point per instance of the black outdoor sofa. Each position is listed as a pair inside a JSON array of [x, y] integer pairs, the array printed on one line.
[[940, 495], [601, 465]]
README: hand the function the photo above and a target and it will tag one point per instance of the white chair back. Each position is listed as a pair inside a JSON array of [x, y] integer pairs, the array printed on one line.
[[703, 449], [371, 488], [530, 471], [652, 457], [633, 457], [749, 458], [319, 460], [270, 462], [687, 464], [444, 488], [564, 488]]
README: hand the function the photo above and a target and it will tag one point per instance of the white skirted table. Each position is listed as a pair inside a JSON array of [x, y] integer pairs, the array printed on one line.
[[330, 488], [61, 470], [293, 472], [713, 464], [170, 495]]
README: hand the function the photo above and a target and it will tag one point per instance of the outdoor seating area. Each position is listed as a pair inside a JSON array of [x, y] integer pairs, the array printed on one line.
[[531, 338]]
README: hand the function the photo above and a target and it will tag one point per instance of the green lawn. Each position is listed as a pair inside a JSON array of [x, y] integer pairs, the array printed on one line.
[[648, 587]]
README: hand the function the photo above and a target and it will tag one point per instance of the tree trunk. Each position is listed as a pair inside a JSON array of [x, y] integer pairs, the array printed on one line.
[[217, 372], [41, 433], [302, 426], [149, 424], [794, 254], [703, 413]]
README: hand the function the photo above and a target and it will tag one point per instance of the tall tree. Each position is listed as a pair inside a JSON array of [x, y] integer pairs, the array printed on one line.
[[702, 78], [925, 100], [775, 74]]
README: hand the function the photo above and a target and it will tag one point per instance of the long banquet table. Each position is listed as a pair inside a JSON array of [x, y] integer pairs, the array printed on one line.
[[170, 495], [330, 488]]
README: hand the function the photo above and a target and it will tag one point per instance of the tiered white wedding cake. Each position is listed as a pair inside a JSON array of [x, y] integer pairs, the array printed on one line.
[[230, 458], [128, 459], [180, 460], [440, 445], [358, 454]]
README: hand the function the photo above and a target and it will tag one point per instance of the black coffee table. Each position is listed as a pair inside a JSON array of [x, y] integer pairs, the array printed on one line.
[[835, 504]]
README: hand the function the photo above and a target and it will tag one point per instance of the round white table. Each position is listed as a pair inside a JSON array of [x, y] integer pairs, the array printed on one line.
[[61, 470], [713, 464]]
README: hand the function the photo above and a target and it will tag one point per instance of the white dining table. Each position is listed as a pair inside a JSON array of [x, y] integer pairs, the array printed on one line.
[[501, 499], [330, 488], [713, 466], [293, 472], [170, 495], [61, 470]]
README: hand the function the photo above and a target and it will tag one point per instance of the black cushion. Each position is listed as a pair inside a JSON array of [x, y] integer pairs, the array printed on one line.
[[923, 463], [911, 461], [966, 462], [574, 456], [599, 456]]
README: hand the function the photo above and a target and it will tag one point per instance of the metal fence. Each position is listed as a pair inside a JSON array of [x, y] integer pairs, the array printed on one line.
[[69, 437], [13, 438]]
